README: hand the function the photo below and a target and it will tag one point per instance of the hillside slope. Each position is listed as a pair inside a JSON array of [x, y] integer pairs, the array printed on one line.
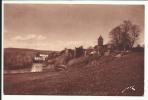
[[19, 58], [107, 75]]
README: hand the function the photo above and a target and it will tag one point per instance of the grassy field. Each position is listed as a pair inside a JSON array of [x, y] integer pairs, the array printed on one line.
[[105, 76]]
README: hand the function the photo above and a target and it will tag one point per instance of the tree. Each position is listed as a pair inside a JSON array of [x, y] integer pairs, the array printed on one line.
[[125, 35]]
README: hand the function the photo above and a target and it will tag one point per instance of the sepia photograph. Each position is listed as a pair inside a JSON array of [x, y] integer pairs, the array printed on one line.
[[73, 49]]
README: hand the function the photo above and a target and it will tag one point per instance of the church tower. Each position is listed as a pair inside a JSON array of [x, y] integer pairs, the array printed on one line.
[[100, 41]]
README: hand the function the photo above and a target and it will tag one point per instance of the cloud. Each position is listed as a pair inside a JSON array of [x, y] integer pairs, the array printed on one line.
[[28, 37], [68, 43], [73, 44]]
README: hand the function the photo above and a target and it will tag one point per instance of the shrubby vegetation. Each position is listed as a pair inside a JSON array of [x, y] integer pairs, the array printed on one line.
[[17, 60]]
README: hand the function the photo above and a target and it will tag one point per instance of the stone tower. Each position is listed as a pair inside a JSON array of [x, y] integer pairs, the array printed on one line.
[[100, 41]]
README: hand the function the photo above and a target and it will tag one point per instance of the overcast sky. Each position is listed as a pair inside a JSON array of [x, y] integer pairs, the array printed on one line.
[[55, 27]]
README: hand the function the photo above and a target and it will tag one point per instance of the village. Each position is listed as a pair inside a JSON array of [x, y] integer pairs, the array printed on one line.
[[60, 60], [67, 57]]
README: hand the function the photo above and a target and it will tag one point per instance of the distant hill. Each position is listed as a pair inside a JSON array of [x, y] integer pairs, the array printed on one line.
[[25, 50], [15, 58]]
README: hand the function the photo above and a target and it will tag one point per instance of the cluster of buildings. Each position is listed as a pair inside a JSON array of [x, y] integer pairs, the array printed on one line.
[[100, 49]]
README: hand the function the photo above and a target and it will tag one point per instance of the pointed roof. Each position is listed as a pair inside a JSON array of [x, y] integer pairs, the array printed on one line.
[[100, 37]]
